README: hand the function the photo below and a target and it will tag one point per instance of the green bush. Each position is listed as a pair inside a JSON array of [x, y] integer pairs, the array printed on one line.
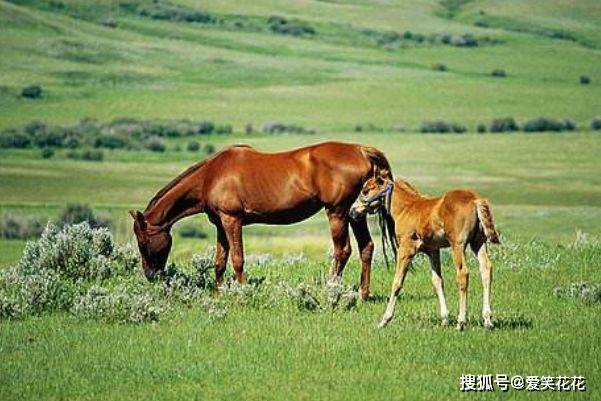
[[192, 231], [171, 12], [156, 145], [92, 155], [542, 124], [441, 127], [13, 139], [585, 79], [596, 124], [14, 226], [440, 67], [75, 213], [282, 26], [193, 146], [32, 92], [499, 73], [209, 149], [481, 128], [506, 124], [47, 153]]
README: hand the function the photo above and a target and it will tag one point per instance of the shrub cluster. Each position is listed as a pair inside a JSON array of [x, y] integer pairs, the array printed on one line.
[[162, 10], [596, 124], [191, 231], [13, 226], [81, 270], [75, 213], [441, 127], [94, 155], [277, 127], [17, 226], [32, 92], [542, 124], [121, 133], [589, 293], [505, 124], [283, 26], [392, 39]]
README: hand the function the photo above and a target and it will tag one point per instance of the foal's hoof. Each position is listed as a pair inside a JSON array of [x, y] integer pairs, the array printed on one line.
[[461, 326], [382, 324], [444, 322], [488, 324], [364, 295]]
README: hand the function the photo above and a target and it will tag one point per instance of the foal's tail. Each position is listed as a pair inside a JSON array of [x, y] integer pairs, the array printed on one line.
[[376, 157], [485, 216]]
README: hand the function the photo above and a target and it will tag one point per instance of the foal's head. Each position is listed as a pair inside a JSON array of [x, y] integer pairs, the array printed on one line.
[[374, 194], [154, 244]]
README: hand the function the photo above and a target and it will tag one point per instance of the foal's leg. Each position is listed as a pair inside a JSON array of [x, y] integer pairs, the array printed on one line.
[[461, 268], [480, 249], [232, 226], [221, 254], [340, 238], [366, 249], [438, 285], [406, 253]]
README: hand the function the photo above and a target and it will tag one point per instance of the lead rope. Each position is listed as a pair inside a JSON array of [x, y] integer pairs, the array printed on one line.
[[386, 224]]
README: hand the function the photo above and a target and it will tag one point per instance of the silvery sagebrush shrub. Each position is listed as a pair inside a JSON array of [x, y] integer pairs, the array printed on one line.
[[340, 296], [215, 308], [124, 303], [589, 293]]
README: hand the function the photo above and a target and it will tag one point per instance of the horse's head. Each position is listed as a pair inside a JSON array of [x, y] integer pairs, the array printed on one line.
[[374, 194], [154, 244]]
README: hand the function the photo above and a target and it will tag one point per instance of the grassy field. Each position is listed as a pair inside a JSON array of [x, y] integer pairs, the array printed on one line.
[[545, 189]]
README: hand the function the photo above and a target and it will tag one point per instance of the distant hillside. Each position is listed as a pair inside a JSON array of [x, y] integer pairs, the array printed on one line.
[[324, 64]]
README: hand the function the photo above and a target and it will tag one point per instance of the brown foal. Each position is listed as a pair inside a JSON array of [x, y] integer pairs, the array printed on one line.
[[427, 224]]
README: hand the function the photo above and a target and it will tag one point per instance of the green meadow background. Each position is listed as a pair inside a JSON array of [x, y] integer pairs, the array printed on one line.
[[545, 188]]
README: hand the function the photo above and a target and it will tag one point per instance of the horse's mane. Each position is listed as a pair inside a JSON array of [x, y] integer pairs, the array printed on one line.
[[184, 174], [174, 182], [407, 186]]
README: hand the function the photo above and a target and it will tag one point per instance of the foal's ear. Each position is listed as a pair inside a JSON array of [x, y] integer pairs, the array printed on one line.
[[385, 174]]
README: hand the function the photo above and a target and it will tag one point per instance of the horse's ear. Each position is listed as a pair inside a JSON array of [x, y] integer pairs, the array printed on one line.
[[138, 217], [375, 171]]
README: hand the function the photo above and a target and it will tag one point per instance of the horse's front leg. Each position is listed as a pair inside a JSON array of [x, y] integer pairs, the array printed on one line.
[[340, 238], [232, 225], [366, 249], [407, 249]]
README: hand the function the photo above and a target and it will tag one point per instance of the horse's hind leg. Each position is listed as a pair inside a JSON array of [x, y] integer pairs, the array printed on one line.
[[437, 282], [221, 255], [479, 247], [340, 238], [232, 226], [366, 249], [458, 251]]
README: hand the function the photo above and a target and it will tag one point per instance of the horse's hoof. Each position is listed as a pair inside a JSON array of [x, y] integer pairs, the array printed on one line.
[[488, 324], [444, 322], [460, 326], [382, 324], [364, 296]]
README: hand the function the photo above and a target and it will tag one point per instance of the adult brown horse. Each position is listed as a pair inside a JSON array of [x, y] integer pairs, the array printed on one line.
[[240, 186]]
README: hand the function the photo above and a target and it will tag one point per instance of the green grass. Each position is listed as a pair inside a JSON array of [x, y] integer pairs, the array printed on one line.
[[543, 188]]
